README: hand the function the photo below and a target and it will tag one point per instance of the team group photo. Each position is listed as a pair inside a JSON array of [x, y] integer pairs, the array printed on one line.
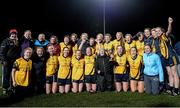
[[77, 65]]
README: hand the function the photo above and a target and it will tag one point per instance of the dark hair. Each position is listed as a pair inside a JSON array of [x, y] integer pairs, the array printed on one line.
[[139, 34], [66, 36], [147, 44]]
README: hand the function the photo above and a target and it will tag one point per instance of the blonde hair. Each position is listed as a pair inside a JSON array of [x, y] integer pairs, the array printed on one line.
[[28, 48]]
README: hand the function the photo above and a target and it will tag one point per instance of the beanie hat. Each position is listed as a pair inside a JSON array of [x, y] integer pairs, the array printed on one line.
[[13, 31]]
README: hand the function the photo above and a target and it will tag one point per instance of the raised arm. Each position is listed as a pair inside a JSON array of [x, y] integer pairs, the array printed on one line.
[[169, 30]]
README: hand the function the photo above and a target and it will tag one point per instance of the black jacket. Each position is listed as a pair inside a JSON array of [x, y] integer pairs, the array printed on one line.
[[9, 50], [104, 65], [24, 43], [85, 45]]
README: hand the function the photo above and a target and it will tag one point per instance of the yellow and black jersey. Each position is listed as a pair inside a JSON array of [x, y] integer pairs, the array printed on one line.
[[162, 46], [128, 46], [77, 69], [74, 49], [23, 71], [108, 47], [98, 47], [93, 48], [163, 40], [64, 71], [63, 45], [117, 43], [120, 67], [52, 65], [135, 66], [140, 47], [89, 64]]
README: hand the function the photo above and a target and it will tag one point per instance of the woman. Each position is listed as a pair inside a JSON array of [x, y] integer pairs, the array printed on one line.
[[26, 41], [65, 43], [39, 70], [51, 71], [83, 43], [99, 43], [104, 70], [77, 72], [108, 45], [90, 76], [169, 60], [129, 43], [153, 72], [140, 43], [41, 41], [73, 39], [136, 77], [21, 73], [54, 42], [64, 72], [120, 73], [118, 41], [92, 45]]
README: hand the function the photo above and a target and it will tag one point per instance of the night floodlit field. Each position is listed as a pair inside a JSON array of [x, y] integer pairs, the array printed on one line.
[[104, 99]]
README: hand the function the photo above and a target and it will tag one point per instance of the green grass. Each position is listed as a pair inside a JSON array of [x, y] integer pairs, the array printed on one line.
[[104, 99], [95, 100]]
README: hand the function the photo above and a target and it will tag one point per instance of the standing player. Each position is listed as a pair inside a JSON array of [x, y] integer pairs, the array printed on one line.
[[169, 60], [64, 72], [51, 71], [66, 43], [118, 41], [108, 45], [99, 42], [77, 72], [129, 43], [120, 73], [90, 76], [136, 76], [54, 41], [140, 43]]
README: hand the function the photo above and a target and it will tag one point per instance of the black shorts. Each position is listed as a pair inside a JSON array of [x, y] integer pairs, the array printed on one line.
[[78, 81], [51, 79], [90, 79], [121, 77], [63, 82], [171, 61], [141, 78]]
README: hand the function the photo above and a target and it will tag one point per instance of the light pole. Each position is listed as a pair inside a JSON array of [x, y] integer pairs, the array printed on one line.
[[104, 17]]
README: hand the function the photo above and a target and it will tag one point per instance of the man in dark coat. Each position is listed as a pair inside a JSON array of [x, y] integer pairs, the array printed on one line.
[[9, 52]]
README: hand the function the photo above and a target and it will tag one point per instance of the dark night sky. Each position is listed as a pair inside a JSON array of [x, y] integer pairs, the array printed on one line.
[[66, 16]]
